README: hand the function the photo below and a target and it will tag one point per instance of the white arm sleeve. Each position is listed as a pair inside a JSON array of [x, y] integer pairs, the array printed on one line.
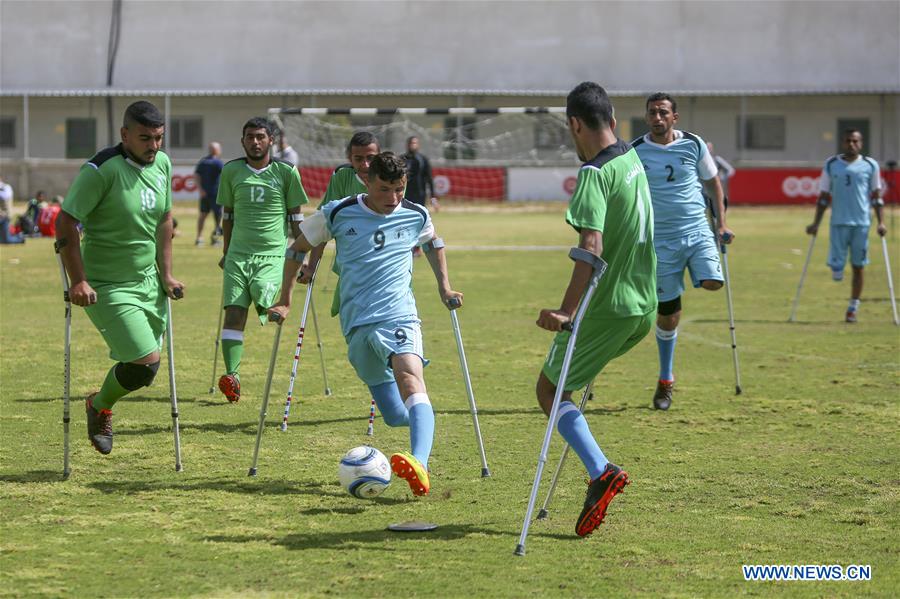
[[706, 167], [427, 233], [876, 183], [315, 229], [824, 182]]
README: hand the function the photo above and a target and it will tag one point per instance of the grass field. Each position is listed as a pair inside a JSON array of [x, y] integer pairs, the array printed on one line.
[[800, 469]]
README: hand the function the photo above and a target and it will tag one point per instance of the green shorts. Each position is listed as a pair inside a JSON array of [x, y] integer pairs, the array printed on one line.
[[252, 278], [131, 317], [599, 342]]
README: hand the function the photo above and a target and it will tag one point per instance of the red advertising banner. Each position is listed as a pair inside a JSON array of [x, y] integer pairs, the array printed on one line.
[[789, 186], [470, 183]]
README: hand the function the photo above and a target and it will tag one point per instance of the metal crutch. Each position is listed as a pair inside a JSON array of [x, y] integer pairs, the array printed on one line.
[[170, 354], [723, 247], [793, 317], [67, 360], [454, 304], [212, 380], [268, 388], [599, 267], [890, 278], [585, 397]]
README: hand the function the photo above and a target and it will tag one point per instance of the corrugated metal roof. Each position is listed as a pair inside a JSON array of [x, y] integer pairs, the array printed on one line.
[[70, 93]]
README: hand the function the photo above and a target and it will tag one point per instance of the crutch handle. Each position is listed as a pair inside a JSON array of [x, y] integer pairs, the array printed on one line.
[[726, 237], [275, 317], [178, 292], [453, 303], [568, 326]]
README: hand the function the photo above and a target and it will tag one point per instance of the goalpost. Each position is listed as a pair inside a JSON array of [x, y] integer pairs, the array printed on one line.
[[480, 154]]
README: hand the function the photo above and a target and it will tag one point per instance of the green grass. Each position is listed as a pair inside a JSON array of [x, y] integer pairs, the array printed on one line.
[[800, 469]]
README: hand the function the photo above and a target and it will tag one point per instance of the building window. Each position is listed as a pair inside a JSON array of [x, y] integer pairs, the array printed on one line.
[[639, 127], [459, 138], [81, 138], [761, 133], [185, 132], [7, 132]]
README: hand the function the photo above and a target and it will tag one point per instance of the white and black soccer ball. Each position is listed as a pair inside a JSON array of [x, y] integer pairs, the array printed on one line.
[[364, 472]]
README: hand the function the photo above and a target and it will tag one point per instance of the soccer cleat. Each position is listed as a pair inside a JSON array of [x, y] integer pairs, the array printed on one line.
[[600, 492], [230, 385], [198, 242], [851, 316], [408, 467], [662, 399], [215, 241], [99, 426]]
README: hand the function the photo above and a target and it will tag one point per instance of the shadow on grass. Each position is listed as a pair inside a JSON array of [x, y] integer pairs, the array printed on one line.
[[79, 399], [35, 476], [226, 485], [371, 539]]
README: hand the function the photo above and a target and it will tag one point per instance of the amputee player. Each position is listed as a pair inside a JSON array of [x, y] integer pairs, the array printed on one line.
[[679, 169], [375, 233], [611, 210], [851, 183], [122, 271], [258, 194]]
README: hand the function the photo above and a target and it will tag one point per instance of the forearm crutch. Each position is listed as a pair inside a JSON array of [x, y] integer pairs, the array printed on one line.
[[301, 332], [793, 317], [265, 401], [543, 513], [67, 357], [890, 279], [173, 394], [212, 380], [723, 247], [599, 267], [454, 304], [320, 345]]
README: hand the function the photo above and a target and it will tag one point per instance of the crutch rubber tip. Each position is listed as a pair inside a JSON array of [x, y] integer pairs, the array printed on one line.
[[66, 474], [327, 391], [283, 427], [485, 473], [212, 390], [542, 514], [252, 472], [737, 390], [520, 550], [179, 468]]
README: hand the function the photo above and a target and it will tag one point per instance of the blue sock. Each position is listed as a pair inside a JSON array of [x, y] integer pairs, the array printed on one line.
[[665, 342], [421, 426], [387, 398], [573, 427]]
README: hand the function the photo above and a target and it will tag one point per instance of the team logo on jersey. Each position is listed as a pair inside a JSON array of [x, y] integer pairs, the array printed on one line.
[[351, 231]]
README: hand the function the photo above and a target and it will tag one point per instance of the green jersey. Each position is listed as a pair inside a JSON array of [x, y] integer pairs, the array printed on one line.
[[260, 200], [120, 203], [612, 196], [344, 182]]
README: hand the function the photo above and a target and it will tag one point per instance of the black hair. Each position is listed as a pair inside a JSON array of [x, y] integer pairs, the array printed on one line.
[[590, 104], [257, 122], [143, 113], [362, 139], [387, 166], [850, 131], [659, 97]]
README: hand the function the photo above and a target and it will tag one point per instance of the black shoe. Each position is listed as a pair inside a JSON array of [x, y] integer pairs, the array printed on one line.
[[99, 426], [600, 492], [662, 399]]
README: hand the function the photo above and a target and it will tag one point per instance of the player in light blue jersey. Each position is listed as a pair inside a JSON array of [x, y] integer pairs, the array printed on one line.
[[851, 182], [679, 170], [375, 233]]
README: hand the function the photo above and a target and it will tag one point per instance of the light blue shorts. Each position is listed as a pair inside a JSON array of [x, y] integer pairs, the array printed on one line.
[[695, 251], [370, 348], [854, 237]]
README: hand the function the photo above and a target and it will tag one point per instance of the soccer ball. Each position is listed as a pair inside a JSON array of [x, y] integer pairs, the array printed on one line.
[[364, 472]]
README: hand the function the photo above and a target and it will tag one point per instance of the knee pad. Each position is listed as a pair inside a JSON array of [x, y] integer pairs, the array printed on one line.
[[135, 376], [670, 307], [387, 398]]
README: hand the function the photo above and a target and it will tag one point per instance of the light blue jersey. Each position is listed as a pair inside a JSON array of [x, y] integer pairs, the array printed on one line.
[[674, 172], [374, 252], [851, 185]]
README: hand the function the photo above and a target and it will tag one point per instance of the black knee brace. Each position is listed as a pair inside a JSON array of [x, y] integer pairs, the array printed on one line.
[[134, 376], [670, 307]]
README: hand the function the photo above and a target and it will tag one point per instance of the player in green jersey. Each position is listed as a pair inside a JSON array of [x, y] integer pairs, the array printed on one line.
[[121, 271], [257, 193], [611, 210], [347, 180]]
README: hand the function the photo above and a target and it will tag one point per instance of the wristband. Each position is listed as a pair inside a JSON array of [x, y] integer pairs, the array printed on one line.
[[295, 217], [435, 244], [295, 256], [228, 216]]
